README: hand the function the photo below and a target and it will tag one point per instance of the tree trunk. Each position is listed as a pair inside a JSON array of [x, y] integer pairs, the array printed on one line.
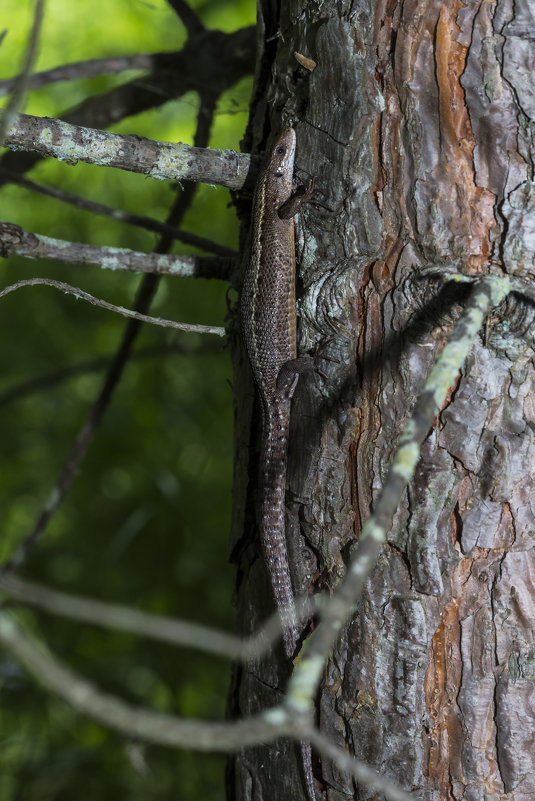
[[417, 122]]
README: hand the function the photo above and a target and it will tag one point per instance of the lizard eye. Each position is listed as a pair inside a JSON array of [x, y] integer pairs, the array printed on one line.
[[281, 150]]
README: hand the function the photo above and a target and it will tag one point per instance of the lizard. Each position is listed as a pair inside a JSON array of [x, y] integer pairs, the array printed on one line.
[[268, 315]]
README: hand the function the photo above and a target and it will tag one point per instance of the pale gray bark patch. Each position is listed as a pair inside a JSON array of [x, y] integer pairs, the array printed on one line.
[[514, 608]]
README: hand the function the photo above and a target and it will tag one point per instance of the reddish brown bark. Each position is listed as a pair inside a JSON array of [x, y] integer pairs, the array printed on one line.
[[417, 121]]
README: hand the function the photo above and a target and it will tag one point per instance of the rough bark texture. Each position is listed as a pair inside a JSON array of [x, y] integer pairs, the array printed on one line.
[[418, 124]]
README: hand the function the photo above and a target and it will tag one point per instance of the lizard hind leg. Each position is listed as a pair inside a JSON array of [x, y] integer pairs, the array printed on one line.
[[290, 371]]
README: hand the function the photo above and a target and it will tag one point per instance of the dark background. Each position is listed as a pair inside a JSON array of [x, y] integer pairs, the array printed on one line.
[[146, 521]]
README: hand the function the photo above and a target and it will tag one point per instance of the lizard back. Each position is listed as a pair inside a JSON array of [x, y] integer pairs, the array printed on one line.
[[269, 326]]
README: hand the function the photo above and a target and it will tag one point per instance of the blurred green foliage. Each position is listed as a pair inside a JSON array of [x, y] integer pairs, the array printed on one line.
[[146, 521]]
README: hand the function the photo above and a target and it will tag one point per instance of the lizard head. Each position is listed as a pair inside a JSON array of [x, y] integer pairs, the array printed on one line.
[[281, 162]]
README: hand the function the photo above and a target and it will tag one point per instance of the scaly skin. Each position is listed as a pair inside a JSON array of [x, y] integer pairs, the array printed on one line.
[[269, 328]]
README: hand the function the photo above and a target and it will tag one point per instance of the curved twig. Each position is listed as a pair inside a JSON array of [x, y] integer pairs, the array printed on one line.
[[90, 68], [103, 304], [170, 730], [21, 82], [164, 229], [155, 627]]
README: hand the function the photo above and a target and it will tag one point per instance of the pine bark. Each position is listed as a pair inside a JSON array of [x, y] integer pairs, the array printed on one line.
[[417, 122]]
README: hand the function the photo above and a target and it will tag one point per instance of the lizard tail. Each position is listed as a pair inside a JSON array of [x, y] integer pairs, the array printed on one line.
[[273, 465], [306, 756], [273, 480]]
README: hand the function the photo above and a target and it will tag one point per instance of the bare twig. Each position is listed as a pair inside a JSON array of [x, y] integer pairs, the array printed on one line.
[[51, 379], [450, 272], [91, 68], [161, 160], [360, 770], [19, 91], [103, 304], [87, 431], [189, 18], [164, 229], [155, 627], [14, 241], [113, 375], [132, 721]]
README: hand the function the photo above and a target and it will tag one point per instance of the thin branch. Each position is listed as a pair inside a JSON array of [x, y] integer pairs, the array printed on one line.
[[87, 431], [487, 293], [449, 272], [170, 730], [123, 618], [21, 84], [155, 627], [91, 68], [123, 717], [51, 379], [103, 304], [189, 18], [227, 57], [360, 770], [14, 241], [113, 375], [164, 229], [163, 161]]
